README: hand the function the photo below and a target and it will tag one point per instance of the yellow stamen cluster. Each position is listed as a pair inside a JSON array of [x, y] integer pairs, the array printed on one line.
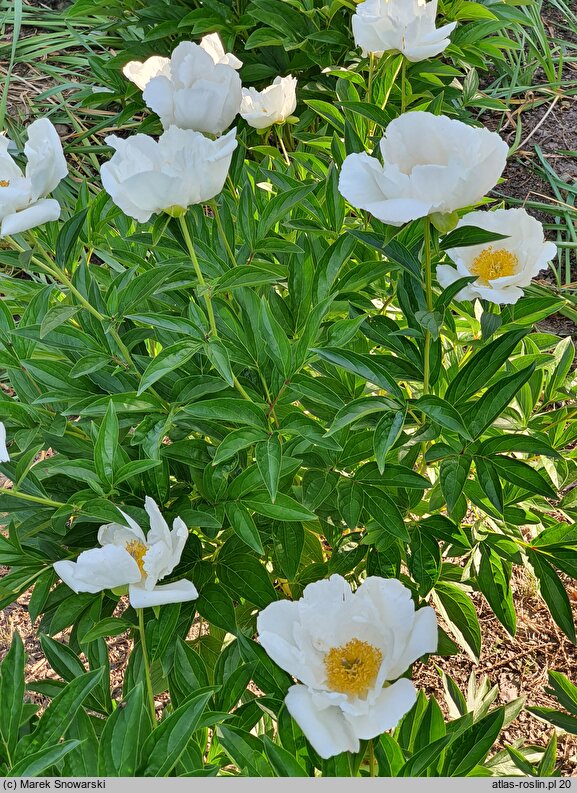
[[491, 264], [4, 182], [137, 550], [352, 669]]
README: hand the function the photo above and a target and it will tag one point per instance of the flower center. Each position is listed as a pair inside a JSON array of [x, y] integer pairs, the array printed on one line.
[[4, 182], [137, 550], [352, 669], [491, 264]]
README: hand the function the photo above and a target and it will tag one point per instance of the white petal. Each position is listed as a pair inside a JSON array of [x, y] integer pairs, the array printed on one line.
[[118, 534], [98, 569], [177, 592], [386, 711], [179, 536], [142, 73], [46, 164], [159, 531], [277, 626], [422, 639], [327, 730], [4, 456], [43, 211]]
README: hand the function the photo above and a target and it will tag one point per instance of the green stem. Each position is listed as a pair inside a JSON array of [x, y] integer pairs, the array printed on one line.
[[27, 497], [199, 275], [403, 84], [281, 143], [221, 233], [146, 661], [371, 77], [372, 764], [429, 298], [207, 297]]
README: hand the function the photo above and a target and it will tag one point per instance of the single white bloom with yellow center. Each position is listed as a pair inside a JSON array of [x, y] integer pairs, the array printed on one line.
[[127, 556], [23, 204], [141, 72], [272, 105], [502, 268], [431, 164], [194, 92], [183, 167], [406, 26], [4, 456], [344, 646]]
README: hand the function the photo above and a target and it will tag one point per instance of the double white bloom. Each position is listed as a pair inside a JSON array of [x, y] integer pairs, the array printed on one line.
[[145, 176], [344, 647], [196, 88], [502, 267], [128, 557], [406, 26], [141, 72], [23, 202], [273, 105], [431, 164], [4, 456]]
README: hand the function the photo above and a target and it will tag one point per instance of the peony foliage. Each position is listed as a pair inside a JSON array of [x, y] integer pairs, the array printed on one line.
[[288, 316]]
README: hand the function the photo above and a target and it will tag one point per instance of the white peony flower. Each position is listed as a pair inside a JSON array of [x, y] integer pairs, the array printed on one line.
[[194, 92], [213, 45], [22, 202], [502, 267], [4, 456], [183, 167], [431, 164], [406, 26], [273, 105], [128, 557], [344, 647], [141, 73]]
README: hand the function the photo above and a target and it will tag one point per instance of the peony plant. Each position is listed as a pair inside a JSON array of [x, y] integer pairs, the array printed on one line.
[[310, 362]]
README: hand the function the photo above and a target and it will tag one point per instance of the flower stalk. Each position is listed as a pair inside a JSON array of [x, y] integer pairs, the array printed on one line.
[[146, 663]]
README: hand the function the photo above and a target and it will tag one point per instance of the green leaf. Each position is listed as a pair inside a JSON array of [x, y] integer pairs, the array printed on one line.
[[458, 611], [488, 479], [109, 626], [426, 757], [553, 593], [469, 235], [245, 750], [36, 762], [216, 606], [369, 367], [494, 582], [473, 745], [385, 513], [442, 413], [236, 441], [482, 366], [244, 576], [358, 409], [488, 407], [106, 446], [564, 690], [424, 560], [124, 733], [227, 410], [164, 746], [169, 359], [276, 342], [67, 237], [268, 456], [284, 508], [519, 473], [57, 715], [11, 695], [386, 434], [244, 526], [453, 474], [282, 762]]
